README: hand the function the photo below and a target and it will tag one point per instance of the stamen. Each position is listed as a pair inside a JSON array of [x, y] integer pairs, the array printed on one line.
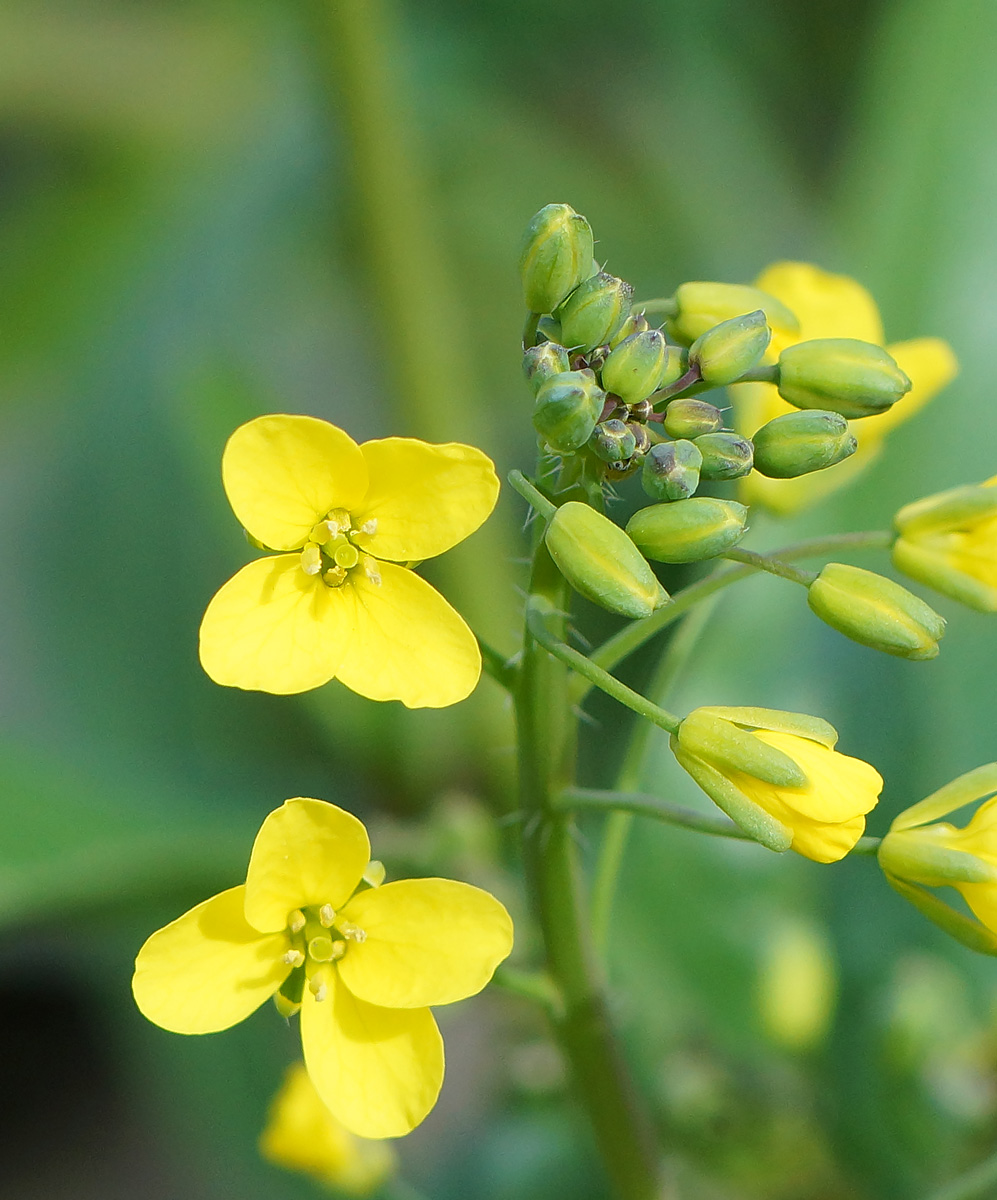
[[296, 920], [335, 576], [352, 933], [293, 958], [369, 527], [346, 555], [311, 559], [318, 986], [339, 521], [320, 948], [327, 915], [322, 532], [374, 874], [371, 571], [338, 950]]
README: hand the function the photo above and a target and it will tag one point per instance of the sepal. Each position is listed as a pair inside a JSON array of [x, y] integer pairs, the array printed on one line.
[[723, 744], [972, 934]]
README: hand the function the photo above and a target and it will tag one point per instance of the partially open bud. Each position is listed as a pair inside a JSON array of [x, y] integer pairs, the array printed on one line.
[[600, 562], [594, 311], [949, 542], [800, 442], [542, 362], [634, 368], [671, 471], [613, 441], [726, 351], [688, 530], [876, 612], [635, 323], [855, 379], [687, 417], [567, 409], [556, 256], [725, 455], [700, 306], [778, 776]]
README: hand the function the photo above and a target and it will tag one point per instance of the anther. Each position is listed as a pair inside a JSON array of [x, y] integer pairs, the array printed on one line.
[[339, 521], [296, 920], [293, 958], [318, 987], [352, 933], [338, 950], [327, 915], [311, 559], [369, 527], [334, 576], [374, 873], [371, 571]]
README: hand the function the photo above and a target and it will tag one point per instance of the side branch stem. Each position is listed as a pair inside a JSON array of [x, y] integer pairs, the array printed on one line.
[[771, 564]]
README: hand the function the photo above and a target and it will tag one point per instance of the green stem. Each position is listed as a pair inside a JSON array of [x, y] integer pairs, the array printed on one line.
[[643, 804], [631, 637], [531, 495], [979, 1183], [536, 617], [547, 744], [774, 566], [763, 374], [498, 665], [660, 306], [529, 985]]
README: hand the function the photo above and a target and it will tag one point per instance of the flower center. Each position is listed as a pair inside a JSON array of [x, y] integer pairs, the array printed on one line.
[[335, 549]]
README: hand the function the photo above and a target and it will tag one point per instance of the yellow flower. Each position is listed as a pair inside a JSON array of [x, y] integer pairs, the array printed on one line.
[[949, 542], [338, 603], [833, 306], [303, 1135], [364, 963], [779, 777]]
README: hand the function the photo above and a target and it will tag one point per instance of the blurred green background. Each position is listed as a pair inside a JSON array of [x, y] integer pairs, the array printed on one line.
[[210, 210]]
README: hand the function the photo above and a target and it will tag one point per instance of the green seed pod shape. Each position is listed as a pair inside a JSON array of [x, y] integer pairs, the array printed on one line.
[[687, 417], [726, 351], [800, 442], [855, 379], [700, 306], [613, 441], [876, 612], [634, 369], [671, 471], [601, 563], [725, 455], [594, 312], [688, 530], [542, 362], [567, 409], [556, 256]]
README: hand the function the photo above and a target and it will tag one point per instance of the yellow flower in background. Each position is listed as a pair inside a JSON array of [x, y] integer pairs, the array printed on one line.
[[364, 964], [303, 1135], [833, 306], [778, 776], [337, 602]]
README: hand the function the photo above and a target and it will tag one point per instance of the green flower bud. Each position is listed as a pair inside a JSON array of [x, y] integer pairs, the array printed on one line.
[[726, 351], [567, 408], [594, 311], [635, 323], [855, 379], [688, 530], [641, 439], [598, 559], [676, 365], [613, 441], [556, 256], [876, 612], [543, 361], [690, 418], [634, 369], [725, 455], [800, 442], [671, 471], [550, 329], [700, 306]]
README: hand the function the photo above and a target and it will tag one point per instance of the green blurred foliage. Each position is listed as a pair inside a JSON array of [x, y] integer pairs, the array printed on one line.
[[187, 238]]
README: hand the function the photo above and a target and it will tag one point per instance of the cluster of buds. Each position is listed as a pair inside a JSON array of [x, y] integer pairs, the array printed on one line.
[[617, 397]]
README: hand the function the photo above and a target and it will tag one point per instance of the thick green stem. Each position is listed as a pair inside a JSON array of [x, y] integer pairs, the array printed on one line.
[[546, 764]]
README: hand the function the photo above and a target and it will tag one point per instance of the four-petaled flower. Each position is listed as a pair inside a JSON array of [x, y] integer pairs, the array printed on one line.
[[364, 963], [833, 306], [337, 600]]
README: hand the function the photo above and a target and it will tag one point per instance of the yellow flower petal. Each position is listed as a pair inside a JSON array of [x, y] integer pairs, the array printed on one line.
[[409, 645], [272, 628], [378, 1070], [826, 305], [930, 365], [429, 941], [208, 969], [283, 473], [424, 498], [307, 852]]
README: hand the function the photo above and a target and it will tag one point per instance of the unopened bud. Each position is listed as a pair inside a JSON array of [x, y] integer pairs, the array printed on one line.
[[613, 441], [687, 417], [594, 312], [671, 471], [567, 409], [643, 442], [688, 530], [855, 379], [635, 323], [600, 562], [800, 442], [725, 455], [700, 306], [876, 612], [726, 351], [542, 362], [634, 369], [556, 256]]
